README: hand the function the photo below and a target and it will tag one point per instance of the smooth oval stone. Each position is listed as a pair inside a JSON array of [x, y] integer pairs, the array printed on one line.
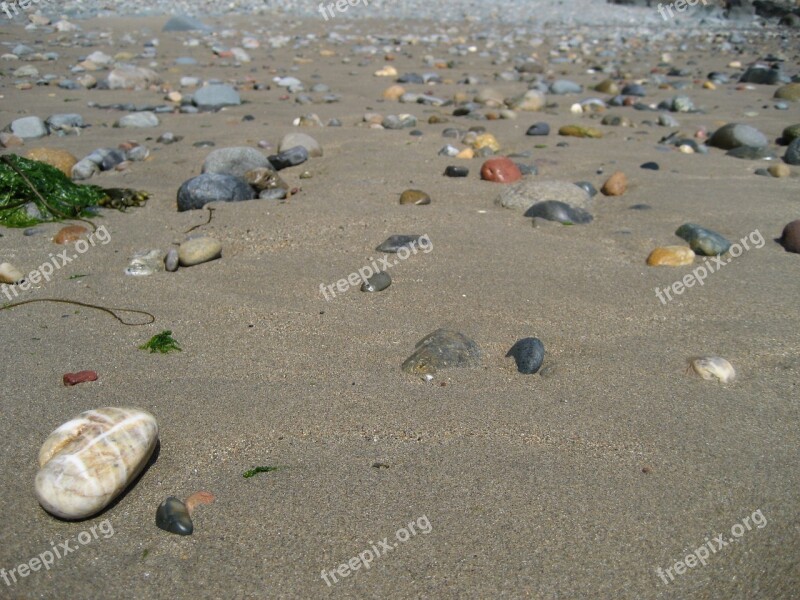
[[616, 185], [198, 250], [417, 197], [235, 161], [580, 131], [733, 135], [289, 158], [377, 283], [529, 354], [790, 134], [713, 367], [395, 242], [651, 166], [60, 159], [453, 171], [500, 170], [671, 256], [212, 187], [213, 97], [790, 238], [294, 139], [554, 210], [171, 260], [88, 461], [703, 241], [792, 156], [173, 516], [538, 129], [790, 91], [587, 187], [442, 349]]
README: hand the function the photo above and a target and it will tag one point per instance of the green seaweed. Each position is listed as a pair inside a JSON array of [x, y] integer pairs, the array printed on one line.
[[33, 192], [257, 470], [161, 342], [78, 276]]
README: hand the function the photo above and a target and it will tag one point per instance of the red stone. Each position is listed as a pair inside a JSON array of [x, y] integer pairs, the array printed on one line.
[[79, 377], [500, 170]]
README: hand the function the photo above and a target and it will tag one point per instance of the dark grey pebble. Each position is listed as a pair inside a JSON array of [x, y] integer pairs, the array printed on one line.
[[204, 144], [554, 210], [173, 516], [212, 187], [538, 129], [289, 158], [792, 156], [634, 89], [395, 242], [377, 283], [640, 207], [453, 171], [529, 354], [652, 166], [703, 241], [171, 260]]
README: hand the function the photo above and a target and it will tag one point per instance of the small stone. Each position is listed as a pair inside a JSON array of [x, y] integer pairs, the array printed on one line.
[[9, 140], [234, 161], [790, 238], [171, 260], [616, 185], [554, 210], [779, 170], [71, 379], [792, 156], [538, 129], [486, 140], [394, 92], [129, 77], [394, 243], [530, 101], [561, 87], [650, 166], [453, 171], [417, 197], [144, 263], [713, 367], [212, 187], [500, 170], [529, 354], [184, 23], [607, 86], [289, 158], [587, 187], [734, 135], [790, 92], [64, 121], [28, 128], [88, 461], [528, 192], [377, 283], [703, 241], [216, 96], [10, 274], [791, 133], [671, 256], [60, 159], [84, 169], [442, 349], [466, 154], [580, 131], [69, 234], [265, 179], [173, 516], [138, 120], [198, 250], [292, 140]]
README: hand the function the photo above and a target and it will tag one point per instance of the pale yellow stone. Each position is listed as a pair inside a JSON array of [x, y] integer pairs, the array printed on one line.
[[486, 140], [466, 153], [713, 367], [10, 274], [394, 92], [387, 71]]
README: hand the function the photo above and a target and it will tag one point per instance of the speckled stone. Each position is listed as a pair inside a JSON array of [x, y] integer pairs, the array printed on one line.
[[442, 349], [703, 241], [529, 355]]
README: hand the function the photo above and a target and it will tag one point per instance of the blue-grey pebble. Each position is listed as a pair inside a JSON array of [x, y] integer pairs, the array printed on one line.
[[212, 187], [171, 261], [554, 210], [529, 354], [792, 156], [395, 242], [377, 283], [703, 241], [289, 158], [173, 516]]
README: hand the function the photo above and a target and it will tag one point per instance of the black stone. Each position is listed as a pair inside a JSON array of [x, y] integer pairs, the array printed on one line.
[[289, 158], [554, 210], [652, 166], [453, 171], [173, 516], [538, 129], [529, 354]]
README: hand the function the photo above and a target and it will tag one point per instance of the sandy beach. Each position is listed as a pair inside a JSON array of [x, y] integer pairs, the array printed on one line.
[[579, 481]]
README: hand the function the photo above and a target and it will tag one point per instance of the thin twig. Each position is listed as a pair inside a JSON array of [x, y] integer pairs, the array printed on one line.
[[76, 303]]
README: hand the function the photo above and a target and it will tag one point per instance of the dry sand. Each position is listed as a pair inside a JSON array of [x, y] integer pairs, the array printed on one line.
[[578, 483]]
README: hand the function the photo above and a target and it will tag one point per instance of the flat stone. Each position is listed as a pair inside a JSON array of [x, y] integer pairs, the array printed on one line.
[[129, 77], [213, 187], [734, 135], [554, 210], [538, 129], [138, 120], [396, 242], [289, 158], [215, 96], [70, 234], [529, 355], [377, 283], [173, 516], [417, 197], [440, 350], [185, 23], [703, 241], [235, 161], [198, 250], [528, 192], [671, 256], [28, 128], [291, 140], [580, 131]]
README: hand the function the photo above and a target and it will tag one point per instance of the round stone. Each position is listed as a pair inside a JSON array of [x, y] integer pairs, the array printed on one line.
[[69, 234], [790, 238], [500, 170], [212, 187], [198, 250], [529, 355], [417, 197], [553, 210], [538, 129], [791, 133], [792, 156], [790, 91], [60, 159], [173, 516], [616, 185]]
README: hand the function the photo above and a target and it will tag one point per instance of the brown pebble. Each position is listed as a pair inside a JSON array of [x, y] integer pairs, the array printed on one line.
[[790, 238], [69, 234], [60, 159], [417, 197], [500, 170], [79, 377], [616, 185]]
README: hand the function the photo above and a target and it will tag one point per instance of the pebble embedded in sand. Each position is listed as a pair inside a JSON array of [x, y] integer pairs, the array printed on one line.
[[394, 243], [198, 250], [713, 367], [89, 460], [790, 238], [417, 197], [442, 349], [529, 355], [377, 283], [71, 379], [580, 131], [500, 170], [10, 274], [616, 185], [69, 234], [703, 241], [671, 256], [60, 159]]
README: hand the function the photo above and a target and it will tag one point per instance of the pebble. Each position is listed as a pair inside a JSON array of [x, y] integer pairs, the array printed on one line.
[[561, 87], [28, 128], [790, 92], [69, 234], [792, 156], [144, 263], [528, 192], [530, 101], [65, 121], [580, 131], [70, 379], [129, 77], [442, 349], [761, 74], [212, 187], [791, 133], [198, 250], [500, 170], [779, 170], [454, 171], [266, 179], [713, 367], [650, 166], [587, 187], [235, 161], [671, 256], [703, 241], [173, 516], [9, 140], [417, 197], [171, 260], [289, 158], [616, 185], [292, 140], [55, 157], [88, 461], [750, 153], [790, 238], [10, 274], [377, 283], [538, 129], [734, 135], [554, 210], [138, 120], [216, 96], [529, 355], [84, 169], [486, 140], [396, 242]]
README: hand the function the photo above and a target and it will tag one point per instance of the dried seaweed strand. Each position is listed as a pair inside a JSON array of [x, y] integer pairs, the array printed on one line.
[[76, 303], [210, 214]]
